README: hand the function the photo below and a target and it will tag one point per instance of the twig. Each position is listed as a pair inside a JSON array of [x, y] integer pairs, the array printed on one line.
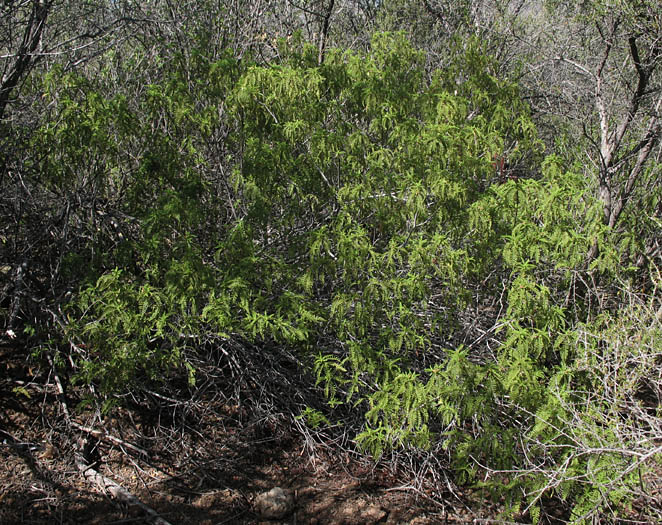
[[497, 522]]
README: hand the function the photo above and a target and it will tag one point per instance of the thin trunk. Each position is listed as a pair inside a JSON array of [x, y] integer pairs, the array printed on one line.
[[324, 32]]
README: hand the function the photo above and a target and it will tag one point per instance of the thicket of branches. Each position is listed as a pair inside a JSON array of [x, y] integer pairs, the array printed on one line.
[[442, 239]]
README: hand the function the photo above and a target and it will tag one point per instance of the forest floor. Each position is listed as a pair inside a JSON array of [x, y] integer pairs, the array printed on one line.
[[206, 470]]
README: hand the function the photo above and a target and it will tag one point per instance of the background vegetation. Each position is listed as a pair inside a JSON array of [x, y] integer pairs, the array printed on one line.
[[433, 228]]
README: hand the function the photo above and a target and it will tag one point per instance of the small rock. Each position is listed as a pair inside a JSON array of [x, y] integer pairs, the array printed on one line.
[[274, 504], [374, 514]]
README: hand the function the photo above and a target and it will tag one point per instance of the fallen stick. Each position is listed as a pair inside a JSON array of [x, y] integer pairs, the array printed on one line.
[[91, 474], [118, 492], [103, 435]]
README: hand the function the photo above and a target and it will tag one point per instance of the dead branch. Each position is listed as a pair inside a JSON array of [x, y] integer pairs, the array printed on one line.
[[117, 491], [92, 475], [105, 436]]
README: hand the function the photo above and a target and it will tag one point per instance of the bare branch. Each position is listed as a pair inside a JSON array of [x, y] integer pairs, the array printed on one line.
[[635, 101], [26, 52]]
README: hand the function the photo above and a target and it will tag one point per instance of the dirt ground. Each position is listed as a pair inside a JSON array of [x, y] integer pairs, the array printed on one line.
[[190, 464]]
